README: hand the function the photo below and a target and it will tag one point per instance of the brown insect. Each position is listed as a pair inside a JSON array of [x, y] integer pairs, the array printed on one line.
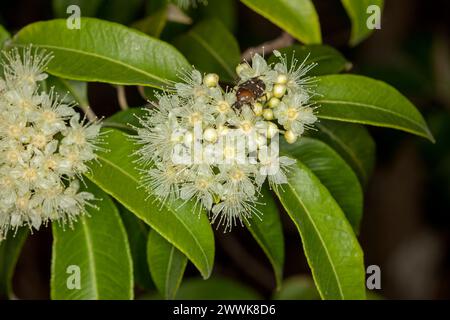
[[248, 92]]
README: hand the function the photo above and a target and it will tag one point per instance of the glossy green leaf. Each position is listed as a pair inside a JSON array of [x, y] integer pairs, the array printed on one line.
[[353, 142], [88, 8], [359, 99], [125, 120], [166, 263], [98, 246], [105, 52], [329, 243], [154, 24], [328, 59], [297, 288], [9, 254], [116, 173], [4, 35], [268, 233], [137, 232], [210, 47], [297, 17], [357, 11], [69, 90], [334, 173], [224, 10]]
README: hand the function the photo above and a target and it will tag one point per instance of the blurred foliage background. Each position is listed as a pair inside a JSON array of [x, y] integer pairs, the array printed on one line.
[[406, 224]]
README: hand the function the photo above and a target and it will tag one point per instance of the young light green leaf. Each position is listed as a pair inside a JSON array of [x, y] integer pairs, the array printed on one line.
[[166, 264], [94, 257], [116, 173], [88, 8], [359, 15], [353, 142], [334, 173], [359, 99], [297, 288], [154, 24], [87, 54], [328, 59], [268, 233], [329, 243], [9, 254], [297, 17], [211, 48], [137, 232], [4, 35]]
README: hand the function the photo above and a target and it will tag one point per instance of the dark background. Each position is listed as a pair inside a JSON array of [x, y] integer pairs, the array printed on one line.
[[407, 203]]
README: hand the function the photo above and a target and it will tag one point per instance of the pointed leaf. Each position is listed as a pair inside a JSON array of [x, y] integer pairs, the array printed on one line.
[[116, 173], [166, 264], [357, 11], [329, 243], [360, 99], [297, 288], [9, 254], [98, 246], [105, 52], [210, 47], [334, 173], [268, 233], [298, 17], [353, 142]]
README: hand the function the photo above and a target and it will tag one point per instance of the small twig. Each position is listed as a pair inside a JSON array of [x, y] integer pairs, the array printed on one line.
[[282, 41], [122, 97]]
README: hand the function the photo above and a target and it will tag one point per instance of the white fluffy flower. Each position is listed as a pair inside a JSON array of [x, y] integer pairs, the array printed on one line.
[[44, 148], [202, 143]]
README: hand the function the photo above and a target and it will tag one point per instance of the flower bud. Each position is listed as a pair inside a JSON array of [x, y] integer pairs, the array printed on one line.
[[290, 136], [211, 80], [241, 67], [268, 114], [272, 130], [188, 138], [279, 90], [282, 79], [258, 109], [274, 102], [210, 135]]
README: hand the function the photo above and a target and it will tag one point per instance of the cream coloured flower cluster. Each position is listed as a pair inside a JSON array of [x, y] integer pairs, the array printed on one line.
[[218, 146], [44, 147]]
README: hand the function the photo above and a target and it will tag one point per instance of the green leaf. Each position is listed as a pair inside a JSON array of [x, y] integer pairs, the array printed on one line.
[[329, 243], [88, 8], [137, 232], [211, 48], [154, 24], [334, 173], [121, 11], [224, 10], [125, 120], [268, 233], [69, 90], [297, 17], [116, 173], [328, 59], [363, 100], [9, 254], [216, 288], [4, 35], [297, 288], [88, 55], [98, 245], [357, 10], [166, 263], [353, 142]]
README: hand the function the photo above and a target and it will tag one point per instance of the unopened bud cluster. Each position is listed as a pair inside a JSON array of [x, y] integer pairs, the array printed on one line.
[[199, 118], [44, 147]]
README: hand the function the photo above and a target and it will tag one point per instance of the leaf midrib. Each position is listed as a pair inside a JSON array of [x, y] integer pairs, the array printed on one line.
[[107, 59], [212, 52], [169, 209], [369, 106], [91, 256], [319, 235], [168, 271]]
